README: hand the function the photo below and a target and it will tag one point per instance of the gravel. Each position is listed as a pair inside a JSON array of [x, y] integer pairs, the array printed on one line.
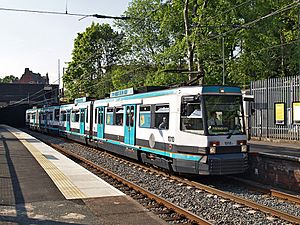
[[210, 207]]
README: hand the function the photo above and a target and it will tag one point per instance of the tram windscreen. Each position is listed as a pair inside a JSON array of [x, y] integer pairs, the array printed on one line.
[[224, 114]]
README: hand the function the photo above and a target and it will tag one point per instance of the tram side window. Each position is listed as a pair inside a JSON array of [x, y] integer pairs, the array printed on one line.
[[56, 114], [96, 116], [191, 120], [63, 116], [162, 113], [75, 116], [50, 116], [110, 116], [145, 116], [119, 116], [87, 115]]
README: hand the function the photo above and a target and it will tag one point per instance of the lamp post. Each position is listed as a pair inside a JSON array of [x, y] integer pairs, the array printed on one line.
[[63, 84], [223, 59], [214, 35]]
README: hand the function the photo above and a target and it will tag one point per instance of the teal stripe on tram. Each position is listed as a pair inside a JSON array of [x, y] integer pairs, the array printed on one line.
[[74, 133], [155, 151]]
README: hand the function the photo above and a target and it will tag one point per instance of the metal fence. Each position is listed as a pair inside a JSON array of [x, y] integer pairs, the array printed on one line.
[[268, 94]]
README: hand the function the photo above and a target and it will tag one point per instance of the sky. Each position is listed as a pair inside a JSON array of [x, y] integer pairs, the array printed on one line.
[[39, 41]]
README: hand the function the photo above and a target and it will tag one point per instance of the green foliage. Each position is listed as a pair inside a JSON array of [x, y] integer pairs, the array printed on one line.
[[8, 79], [128, 76], [264, 49], [156, 40], [95, 52]]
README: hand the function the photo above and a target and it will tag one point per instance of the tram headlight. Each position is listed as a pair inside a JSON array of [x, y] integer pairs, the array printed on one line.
[[244, 148], [212, 150]]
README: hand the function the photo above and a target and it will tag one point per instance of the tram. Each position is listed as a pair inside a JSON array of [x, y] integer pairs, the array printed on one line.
[[193, 130]]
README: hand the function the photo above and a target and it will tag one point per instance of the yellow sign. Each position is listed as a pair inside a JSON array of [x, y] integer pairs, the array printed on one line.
[[296, 112], [279, 113]]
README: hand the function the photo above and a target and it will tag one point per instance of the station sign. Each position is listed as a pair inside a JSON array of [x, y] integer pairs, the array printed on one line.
[[279, 113], [296, 112], [119, 93], [80, 100]]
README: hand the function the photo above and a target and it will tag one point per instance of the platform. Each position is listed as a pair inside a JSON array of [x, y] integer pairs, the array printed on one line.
[[275, 163], [276, 148], [72, 180], [41, 186]]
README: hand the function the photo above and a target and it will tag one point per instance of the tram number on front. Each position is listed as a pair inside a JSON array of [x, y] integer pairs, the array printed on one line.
[[171, 139]]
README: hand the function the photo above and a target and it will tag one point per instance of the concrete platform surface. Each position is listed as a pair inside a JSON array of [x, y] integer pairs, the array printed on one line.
[[74, 181], [279, 148], [29, 196]]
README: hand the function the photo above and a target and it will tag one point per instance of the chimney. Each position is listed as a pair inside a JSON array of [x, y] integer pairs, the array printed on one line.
[[47, 78]]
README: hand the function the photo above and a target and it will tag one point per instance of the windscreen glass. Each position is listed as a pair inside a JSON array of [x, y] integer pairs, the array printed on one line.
[[224, 114]]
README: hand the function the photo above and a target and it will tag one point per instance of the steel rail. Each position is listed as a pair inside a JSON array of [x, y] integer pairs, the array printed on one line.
[[246, 202], [190, 216], [226, 195], [265, 189], [286, 196], [193, 217]]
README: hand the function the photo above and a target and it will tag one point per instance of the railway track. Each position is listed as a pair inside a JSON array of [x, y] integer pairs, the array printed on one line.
[[227, 197], [162, 206], [270, 191], [243, 201]]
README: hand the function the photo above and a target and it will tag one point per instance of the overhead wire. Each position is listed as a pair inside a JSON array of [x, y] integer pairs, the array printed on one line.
[[262, 49], [228, 10], [285, 8], [43, 94], [28, 99], [64, 14], [99, 16], [245, 25], [45, 100], [31, 95], [248, 24]]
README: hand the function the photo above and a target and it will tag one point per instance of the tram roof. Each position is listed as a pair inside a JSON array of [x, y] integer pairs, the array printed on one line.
[[179, 90]]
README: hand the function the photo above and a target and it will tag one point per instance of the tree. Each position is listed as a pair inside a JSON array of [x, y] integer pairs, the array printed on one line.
[[95, 53], [259, 42], [240, 40], [9, 79], [154, 41]]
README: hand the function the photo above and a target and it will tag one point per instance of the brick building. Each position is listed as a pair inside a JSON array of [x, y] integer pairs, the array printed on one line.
[[33, 78], [15, 98]]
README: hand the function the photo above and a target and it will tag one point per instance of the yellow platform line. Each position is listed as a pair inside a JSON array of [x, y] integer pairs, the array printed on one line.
[[63, 183]]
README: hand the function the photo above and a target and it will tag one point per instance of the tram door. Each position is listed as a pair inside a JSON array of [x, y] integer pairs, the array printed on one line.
[[82, 120], [130, 123], [100, 125], [68, 127], [35, 120]]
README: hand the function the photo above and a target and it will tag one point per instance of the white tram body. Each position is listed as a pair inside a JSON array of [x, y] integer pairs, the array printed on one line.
[[49, 119], [196, 130]]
